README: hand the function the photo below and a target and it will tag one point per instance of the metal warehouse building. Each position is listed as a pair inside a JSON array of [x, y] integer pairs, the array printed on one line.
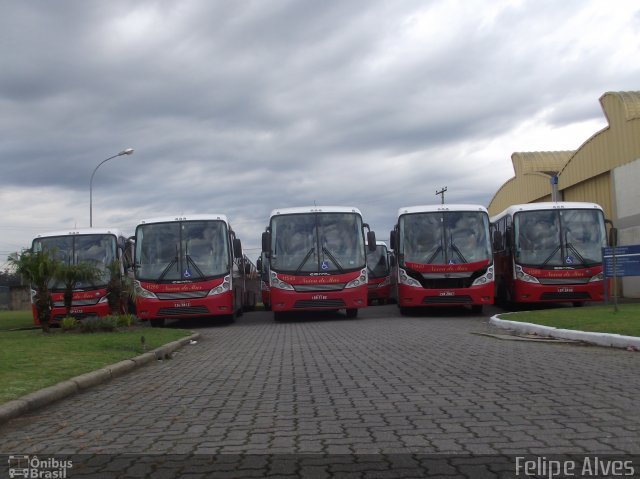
[[604, 170]]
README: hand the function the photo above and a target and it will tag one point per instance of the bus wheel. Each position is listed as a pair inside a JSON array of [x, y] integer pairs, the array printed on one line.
[[404, 311], [476, 309], [578, 304], [278, 316], [157, 323], [352, 312]]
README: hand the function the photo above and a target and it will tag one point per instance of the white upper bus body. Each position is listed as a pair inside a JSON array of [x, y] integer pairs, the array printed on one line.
[[315, 209], [440, 207], [198, 217], [82, 231], [547, 205]]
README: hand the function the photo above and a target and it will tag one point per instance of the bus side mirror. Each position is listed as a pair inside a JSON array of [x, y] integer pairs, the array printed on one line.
[[259, 264], [392, 260], [371, 240], [613, 237], [266, 243], [508, 237], [237, 248], [497, 240], [392, 240]]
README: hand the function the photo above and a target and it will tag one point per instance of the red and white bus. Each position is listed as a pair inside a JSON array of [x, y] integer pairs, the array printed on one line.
[[443, 257], [97, 246], [317, 259], [379, 274], [189, 266], [549, 252]]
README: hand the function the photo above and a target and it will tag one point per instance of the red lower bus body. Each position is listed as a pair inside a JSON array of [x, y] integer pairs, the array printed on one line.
[[315, 293], [379, 289], [563, 290], [85, 304], [474, 296], [184, 301]]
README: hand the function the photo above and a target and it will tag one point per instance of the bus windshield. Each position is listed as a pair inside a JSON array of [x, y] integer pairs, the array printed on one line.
[[377, 262], [182, 251], [559, 237], [317, 243], [445, 237], [98, 249]]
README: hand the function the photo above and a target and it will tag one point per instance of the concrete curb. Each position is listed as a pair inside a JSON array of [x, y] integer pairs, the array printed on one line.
[[48, 395], [600, 339]]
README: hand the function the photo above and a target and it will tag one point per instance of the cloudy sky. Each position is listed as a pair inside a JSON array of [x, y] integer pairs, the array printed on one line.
[[240, 107]]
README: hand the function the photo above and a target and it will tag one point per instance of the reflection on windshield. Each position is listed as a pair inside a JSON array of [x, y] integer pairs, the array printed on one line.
[[190, 250], [317, 242], [98, 250], [559, 237], [377, 262], [450, 237]]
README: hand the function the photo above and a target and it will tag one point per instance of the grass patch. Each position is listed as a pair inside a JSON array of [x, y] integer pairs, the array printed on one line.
[[31, 360], [15, 320], [600, 319]]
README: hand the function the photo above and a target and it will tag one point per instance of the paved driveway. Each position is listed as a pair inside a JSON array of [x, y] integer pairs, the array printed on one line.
[[330, 389]]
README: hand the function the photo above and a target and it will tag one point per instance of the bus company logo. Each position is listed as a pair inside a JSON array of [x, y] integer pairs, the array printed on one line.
[[33, 467]]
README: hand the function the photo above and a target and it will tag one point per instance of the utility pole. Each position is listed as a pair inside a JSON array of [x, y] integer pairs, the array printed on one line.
[[441, 193]]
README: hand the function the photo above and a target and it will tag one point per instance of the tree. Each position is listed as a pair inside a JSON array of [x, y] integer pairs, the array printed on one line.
[[71, 275], [38, 269]]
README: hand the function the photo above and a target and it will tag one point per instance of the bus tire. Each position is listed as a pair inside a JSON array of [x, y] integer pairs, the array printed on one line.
[[157, 322], [278, 316], [404, 311], [476, 309], [352, 312], [578, 304]]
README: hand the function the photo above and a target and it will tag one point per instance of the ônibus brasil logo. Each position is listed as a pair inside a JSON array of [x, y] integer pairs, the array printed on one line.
[[33, 467]]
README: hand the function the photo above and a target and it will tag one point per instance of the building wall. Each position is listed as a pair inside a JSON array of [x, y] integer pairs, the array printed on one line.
[[626, 179]]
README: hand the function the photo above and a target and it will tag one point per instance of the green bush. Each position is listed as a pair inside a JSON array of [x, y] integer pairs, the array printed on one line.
[[69, 323], [90, 324], [125, 320]]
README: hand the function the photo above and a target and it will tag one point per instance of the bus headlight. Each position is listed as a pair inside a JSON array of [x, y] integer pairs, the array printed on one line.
[[597, 277], [522, 276], [221, 288], [278, 283], [143, 293], [359, 281], [404, 278], [485, 278]]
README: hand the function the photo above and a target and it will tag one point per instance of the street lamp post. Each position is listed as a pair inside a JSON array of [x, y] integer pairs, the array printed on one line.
[[128, 151]]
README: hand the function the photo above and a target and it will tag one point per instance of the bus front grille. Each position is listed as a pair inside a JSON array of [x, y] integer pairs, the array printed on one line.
[[319, 303], [318, 287], [189, 310], [183, 295], [447, 300], [577, 296]]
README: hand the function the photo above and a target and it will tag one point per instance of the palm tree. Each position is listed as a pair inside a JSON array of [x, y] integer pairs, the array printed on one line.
[[71, 275], [38, 269]]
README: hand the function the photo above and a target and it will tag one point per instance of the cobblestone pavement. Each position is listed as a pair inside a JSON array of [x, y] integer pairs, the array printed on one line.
[[322, 395]]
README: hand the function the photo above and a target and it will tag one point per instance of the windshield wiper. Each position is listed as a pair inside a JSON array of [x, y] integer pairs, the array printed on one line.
[[544, 263], [457, 250], [171, 263], [191, 262], [305, 259], [433, 256], [571, 248], [333, 258]]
